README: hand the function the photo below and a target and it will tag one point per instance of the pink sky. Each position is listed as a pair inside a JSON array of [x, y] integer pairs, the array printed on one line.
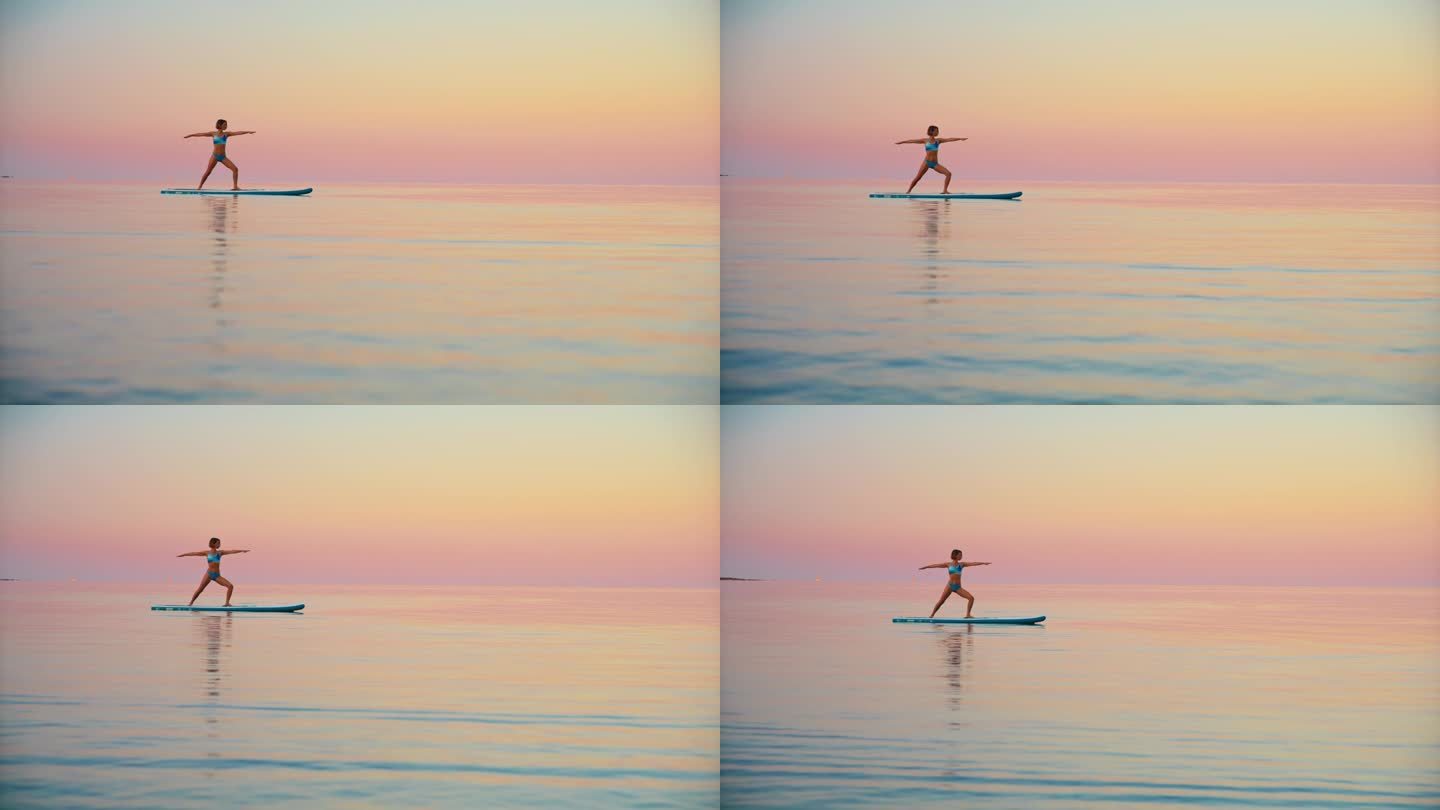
[[631, 91], [576, 496], [1227, 90], [1344, 495], [424, 90]]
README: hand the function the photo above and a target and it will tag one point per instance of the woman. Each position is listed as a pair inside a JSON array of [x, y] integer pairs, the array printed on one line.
[[219, 136], [212, 568], [955, 567], [932, 143]]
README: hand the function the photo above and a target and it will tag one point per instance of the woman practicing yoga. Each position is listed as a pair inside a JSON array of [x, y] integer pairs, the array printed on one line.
[[218, 137], [932, 142], [955, 567], [212, 568]]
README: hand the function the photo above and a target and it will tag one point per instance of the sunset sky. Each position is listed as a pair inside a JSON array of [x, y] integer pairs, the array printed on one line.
[[563, 496], [1227, 90], [1190, 495], [423, 90], [630, 91]]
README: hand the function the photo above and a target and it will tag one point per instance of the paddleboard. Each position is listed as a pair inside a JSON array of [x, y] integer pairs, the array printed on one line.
[[233, 608], [253, 192], [977, 620], [1010, 195]]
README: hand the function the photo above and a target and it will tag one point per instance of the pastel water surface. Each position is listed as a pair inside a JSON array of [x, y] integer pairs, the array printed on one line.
[[359, 293], [371, 697], [1128, 696], [1081, 293]]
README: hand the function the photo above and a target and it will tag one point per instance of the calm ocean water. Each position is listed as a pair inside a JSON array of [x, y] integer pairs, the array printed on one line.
[[373, 697], [1126, 697], [435, 294], [1121, 293]]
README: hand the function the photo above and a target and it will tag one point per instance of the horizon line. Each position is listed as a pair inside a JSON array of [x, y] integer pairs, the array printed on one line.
[[548, 584], [783, 178], [1135, 181], [1156, 584]]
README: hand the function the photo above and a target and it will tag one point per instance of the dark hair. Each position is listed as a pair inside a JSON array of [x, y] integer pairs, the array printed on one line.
[[220, 123], [930, 130], [214, 541], [955, 554]]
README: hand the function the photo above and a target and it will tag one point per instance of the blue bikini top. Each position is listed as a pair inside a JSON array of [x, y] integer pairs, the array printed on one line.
[[221, 139], [955, 569], [929, 147], [212, 556]]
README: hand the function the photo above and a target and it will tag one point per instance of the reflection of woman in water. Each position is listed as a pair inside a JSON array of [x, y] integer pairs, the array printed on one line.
[[218, 137], [932, 141], [953, 586], [212, 568]]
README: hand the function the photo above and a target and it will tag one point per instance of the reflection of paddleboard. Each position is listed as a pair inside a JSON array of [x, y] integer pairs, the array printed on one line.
[[258, 192], [233, 608], [923, 620], [1009, 195]]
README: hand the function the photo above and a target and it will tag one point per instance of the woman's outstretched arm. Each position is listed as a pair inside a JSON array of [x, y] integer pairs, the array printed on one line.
[[192, 554], [242, 132], [235, 551], [935, 565], [948, 140], [968, 564], [200, 134]]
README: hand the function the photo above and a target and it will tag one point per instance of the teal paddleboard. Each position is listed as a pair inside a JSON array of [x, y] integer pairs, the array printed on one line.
[[1009, 195], [923, 620], [252, 192], [232, 608]]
